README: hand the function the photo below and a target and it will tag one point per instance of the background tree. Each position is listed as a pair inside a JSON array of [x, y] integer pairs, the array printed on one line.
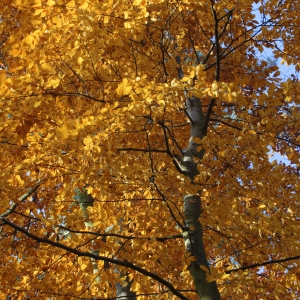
[[158, 117]]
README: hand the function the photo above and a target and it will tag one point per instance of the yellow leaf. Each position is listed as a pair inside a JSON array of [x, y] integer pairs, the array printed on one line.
[[54, 82], [63, 132], [36, 21], [15, 52], [51, 2], [139, 2], [37, 104], [161, 103], [200, 68], [214, 86], [57, 20], [210, 278], [20, 181], [29, 39], [104, 110], [71, 4], [37, 3], [224, 276], [147, 194], [252, 132], [185, 79], [88, 142], [124, 88], [2, 75], [130, 107], [197, 140], [204, 268], [84, 4]]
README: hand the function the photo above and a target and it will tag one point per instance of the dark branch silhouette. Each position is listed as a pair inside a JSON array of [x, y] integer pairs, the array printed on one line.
[[97, 257]]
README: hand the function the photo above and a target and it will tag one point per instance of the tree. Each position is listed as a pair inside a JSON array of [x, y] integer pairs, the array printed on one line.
[[158, 118]]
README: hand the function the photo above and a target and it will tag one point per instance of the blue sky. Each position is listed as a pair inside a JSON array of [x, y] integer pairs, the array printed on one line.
[[286, 72]]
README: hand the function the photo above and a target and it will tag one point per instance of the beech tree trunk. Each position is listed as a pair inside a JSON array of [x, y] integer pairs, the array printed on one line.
[[193, 239], [193, 236]]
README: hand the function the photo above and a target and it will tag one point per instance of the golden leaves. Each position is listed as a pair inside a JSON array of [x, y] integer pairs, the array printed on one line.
[[83, 4], [139, 2], [124, 88], [227, 92], [51, 2], [88, 142], [89, 145], [63, 132], [80, 60], [20, 182], [29, 3], [16, 52], [23, 129], [53, 82], [87, 108], [29, 40]]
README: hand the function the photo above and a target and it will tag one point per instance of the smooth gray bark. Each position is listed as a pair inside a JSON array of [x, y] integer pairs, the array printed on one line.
[[193, 236], [193, 239]]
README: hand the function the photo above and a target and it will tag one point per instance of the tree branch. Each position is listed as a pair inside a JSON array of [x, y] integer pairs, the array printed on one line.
[[227, 124], [170, 209], [142, 150], [218, 64], [160, 239], [97, 257], [20, 200], [216, 29], [275, 261]]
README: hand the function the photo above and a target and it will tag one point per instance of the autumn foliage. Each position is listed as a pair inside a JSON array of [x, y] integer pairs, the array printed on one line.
[[114, 114]]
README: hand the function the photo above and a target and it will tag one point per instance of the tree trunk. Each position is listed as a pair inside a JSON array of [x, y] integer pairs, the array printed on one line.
[[193, 236], [193, 239]]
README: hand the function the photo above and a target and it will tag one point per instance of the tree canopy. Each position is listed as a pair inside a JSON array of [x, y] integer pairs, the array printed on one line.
[[135, 149]]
